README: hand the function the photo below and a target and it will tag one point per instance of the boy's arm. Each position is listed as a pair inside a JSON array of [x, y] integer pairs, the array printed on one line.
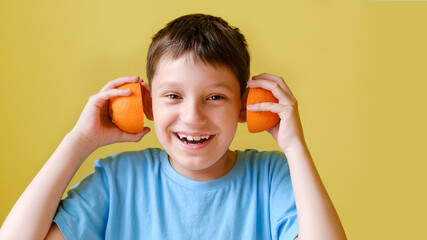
[[317, 217], [316, 213], [33, 213]]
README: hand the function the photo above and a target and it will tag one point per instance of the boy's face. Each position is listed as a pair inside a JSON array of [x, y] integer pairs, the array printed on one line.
[[196, 109]]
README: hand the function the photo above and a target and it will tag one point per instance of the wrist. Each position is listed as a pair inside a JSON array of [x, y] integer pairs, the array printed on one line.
[[296, 145], [296, 151], [80, 142]]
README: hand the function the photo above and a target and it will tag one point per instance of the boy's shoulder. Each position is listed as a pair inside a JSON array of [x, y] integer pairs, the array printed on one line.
[[269, 160], [256, 155]]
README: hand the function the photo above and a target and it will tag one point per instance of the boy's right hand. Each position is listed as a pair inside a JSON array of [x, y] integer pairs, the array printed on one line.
[[94, 128]]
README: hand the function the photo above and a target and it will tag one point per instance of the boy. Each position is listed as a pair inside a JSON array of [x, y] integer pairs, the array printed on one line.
[[196, 188]]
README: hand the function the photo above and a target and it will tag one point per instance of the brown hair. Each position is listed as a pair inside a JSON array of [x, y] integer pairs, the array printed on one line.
[[208, 38]]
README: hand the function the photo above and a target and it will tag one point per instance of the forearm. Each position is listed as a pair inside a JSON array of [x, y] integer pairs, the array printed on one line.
[[316, 214], [32, 215]]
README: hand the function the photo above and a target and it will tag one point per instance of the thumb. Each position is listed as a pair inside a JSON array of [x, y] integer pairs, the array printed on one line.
[[134, 137]]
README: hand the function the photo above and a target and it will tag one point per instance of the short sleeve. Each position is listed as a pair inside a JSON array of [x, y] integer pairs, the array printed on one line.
[[283, 212], [84, 211]]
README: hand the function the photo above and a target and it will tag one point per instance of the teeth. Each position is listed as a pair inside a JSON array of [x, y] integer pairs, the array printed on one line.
[[193, 138]]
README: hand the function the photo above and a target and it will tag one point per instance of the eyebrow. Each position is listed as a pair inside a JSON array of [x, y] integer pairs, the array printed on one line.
[[173, 84], [169, 84], [221, 85]]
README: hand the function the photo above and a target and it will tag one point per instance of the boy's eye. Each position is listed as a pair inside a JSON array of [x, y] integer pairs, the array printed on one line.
[[172, 96], [215, 97]]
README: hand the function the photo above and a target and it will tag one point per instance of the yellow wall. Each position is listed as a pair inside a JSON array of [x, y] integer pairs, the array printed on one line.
[[358, 69]]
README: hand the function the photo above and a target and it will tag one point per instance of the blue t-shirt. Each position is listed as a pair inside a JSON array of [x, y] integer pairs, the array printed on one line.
[[138, 195]]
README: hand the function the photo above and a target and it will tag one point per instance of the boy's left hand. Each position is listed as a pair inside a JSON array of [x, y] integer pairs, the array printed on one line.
[[288, 132]]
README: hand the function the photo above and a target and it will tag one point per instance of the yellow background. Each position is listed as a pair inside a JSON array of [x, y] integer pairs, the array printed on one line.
[[357, 68]]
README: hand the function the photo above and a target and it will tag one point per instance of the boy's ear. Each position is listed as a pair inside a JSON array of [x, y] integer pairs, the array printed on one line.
[[242, 116], [146, 101]]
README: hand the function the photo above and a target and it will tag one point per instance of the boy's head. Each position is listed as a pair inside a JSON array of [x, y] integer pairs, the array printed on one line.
[[198, 66], [206, 38]]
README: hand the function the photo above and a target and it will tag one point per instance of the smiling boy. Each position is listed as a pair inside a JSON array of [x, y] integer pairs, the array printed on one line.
[[196, 187], [198, 107]]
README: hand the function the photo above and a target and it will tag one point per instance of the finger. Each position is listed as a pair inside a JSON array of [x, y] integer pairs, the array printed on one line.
[[281, 94], [271, 77], [261, 107], [134, 137], [274, 78], [106, 95], [120, 81], [270, 107], [268, 76]]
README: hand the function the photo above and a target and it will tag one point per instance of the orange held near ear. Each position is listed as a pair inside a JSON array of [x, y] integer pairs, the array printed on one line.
[[260, 121], [127, 111]]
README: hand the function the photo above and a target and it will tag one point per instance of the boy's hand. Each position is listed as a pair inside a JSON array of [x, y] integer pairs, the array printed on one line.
[[94, 127], [288, 132]]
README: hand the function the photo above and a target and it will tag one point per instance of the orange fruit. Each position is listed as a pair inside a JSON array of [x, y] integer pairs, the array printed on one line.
[[260, 121], [127, 111]]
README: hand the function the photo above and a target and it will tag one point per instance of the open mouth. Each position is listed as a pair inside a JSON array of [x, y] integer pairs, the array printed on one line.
[[193, 139]]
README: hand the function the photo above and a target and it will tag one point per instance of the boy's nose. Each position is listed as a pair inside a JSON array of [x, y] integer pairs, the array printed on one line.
[[193, 113]]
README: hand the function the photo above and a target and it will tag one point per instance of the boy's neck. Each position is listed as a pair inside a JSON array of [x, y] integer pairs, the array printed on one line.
[[216, 171]]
